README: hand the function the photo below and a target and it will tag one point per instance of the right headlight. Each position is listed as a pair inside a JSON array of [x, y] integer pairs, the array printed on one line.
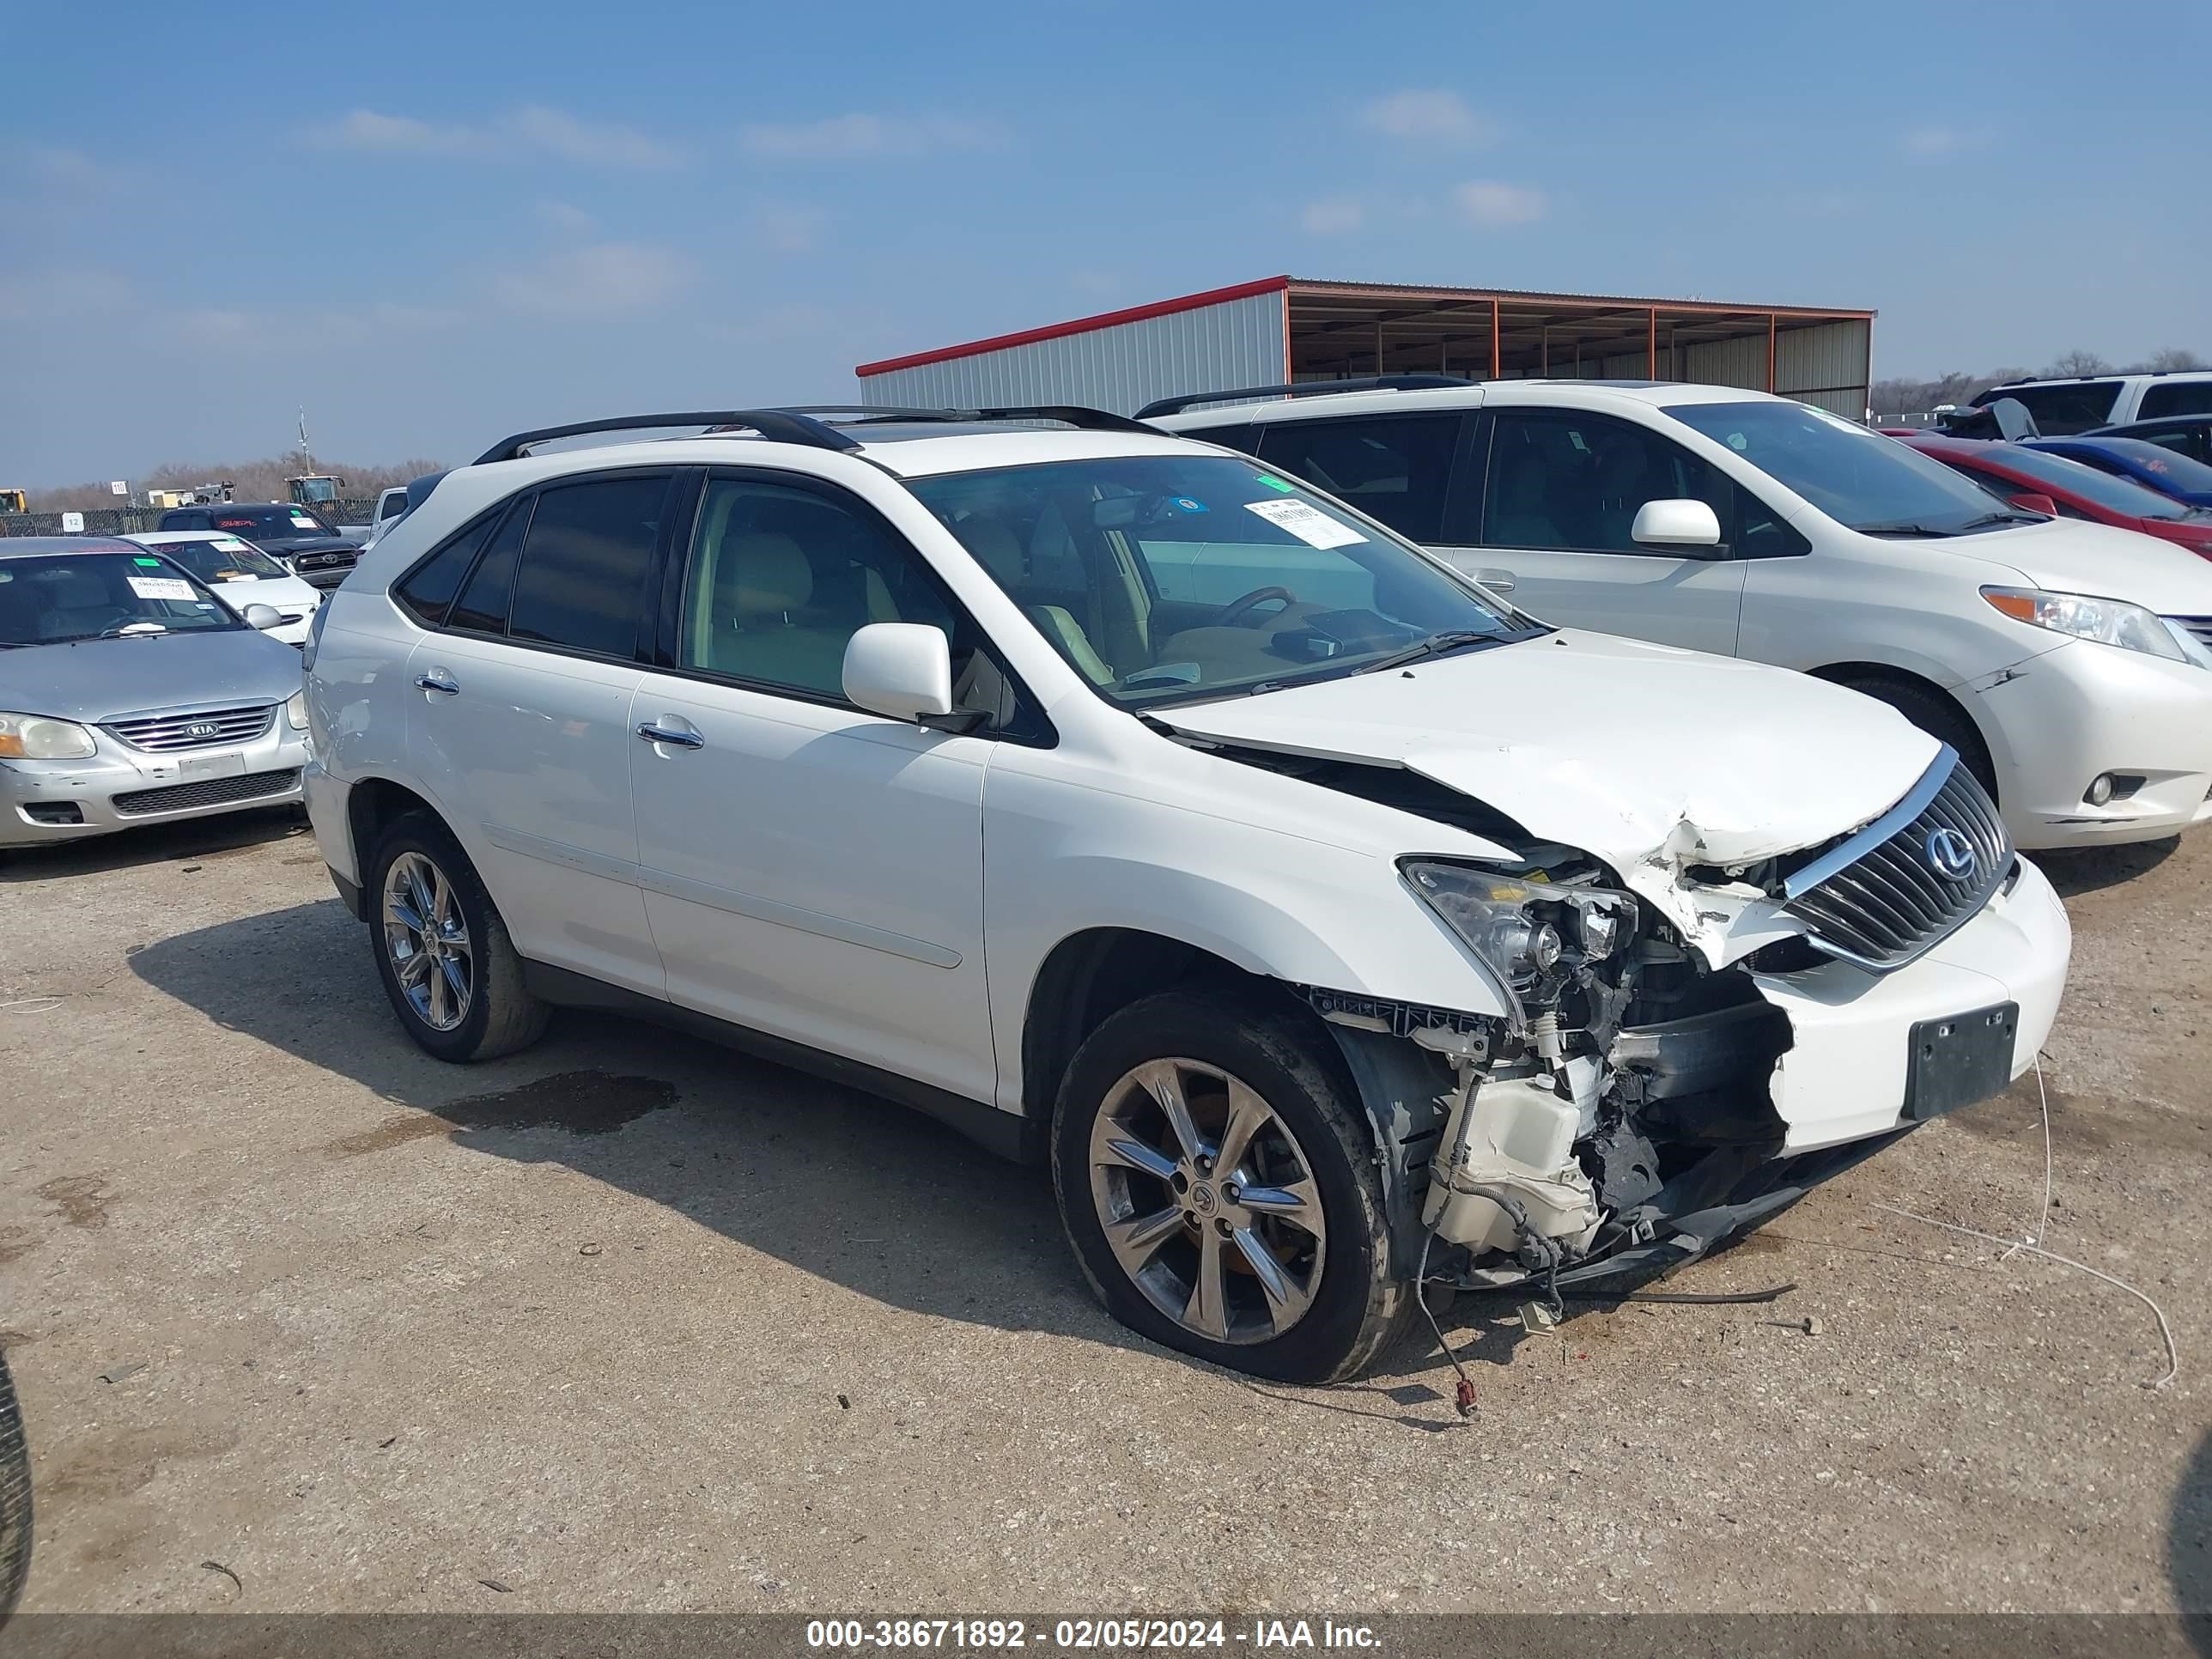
[[2085, 617], [34, 737], [1520, 927]]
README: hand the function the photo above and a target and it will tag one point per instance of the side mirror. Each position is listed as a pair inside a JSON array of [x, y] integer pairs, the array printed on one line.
[[1677, 527], [2034, 501], [904, 670], [263, 616]]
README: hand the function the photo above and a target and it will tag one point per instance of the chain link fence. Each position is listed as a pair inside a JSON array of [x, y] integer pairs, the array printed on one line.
[[131, 521]]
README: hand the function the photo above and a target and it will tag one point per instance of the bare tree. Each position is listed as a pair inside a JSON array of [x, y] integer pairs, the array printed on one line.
[[2166, 359], [2078, 363], [253, 481]]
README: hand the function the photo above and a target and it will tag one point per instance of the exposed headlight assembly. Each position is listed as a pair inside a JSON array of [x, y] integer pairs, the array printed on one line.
[[1523, 929], [33, 737], [295, 711], [2085, 617]]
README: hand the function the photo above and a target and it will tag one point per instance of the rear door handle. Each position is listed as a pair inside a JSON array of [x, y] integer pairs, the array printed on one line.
[[653, 733], [435, 680]]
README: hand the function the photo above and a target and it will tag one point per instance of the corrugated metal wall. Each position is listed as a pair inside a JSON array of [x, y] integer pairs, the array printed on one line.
[[1826, 366], [1235, 343]]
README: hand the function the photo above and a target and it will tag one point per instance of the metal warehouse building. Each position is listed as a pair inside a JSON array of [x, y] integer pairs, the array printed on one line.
[[1290, 328]]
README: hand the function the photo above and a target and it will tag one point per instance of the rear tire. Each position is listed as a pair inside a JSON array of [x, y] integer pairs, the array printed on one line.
[[1940, 718], [1288, 1234], [456, 984], [15, 1497]]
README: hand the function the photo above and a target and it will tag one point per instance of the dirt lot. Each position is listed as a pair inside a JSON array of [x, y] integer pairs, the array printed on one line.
[[629, 1323]]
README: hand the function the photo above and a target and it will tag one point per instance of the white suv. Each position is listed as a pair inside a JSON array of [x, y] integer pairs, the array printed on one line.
[[2066, 661], [1128, 805]]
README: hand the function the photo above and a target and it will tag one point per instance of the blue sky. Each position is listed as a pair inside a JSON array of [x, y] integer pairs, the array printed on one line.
[[435, 224]]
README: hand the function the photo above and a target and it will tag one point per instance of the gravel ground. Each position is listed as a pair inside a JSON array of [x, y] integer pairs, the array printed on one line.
[[628, 1322]]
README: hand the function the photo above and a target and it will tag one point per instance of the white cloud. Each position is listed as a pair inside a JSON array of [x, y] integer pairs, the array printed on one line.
[[604, 276], [533, 129], [1487, 202], [1942, 140], [57, 167], [43, 296], [291, 330], [1336, 216], [846, 137], [1430, 115], [787, 228]]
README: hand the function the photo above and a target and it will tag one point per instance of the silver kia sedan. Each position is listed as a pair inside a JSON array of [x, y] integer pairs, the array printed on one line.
[[129, 694]]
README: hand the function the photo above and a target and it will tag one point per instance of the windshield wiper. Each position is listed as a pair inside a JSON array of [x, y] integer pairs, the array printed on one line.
[[1450, 638], [2001, 516], [132, 630], [1901, 527]]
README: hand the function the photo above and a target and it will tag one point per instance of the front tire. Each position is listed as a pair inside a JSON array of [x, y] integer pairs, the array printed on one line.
[[442, 951], [1217, 1180], [1940, 718]]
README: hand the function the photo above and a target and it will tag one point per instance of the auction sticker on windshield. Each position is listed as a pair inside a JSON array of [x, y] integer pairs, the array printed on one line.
[[301, 521], [160, 587], [1310, 524]]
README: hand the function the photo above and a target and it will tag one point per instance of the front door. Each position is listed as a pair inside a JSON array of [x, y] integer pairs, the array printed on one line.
[[811, 870], [1560, 496]]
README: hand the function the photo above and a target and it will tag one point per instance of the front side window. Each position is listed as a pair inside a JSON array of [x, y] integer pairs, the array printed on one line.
[[1564, 479], [586, 563], [2072, 406], [54, 598], [1175, 578], [2176, 397], [781, 577], [1858, 477], [1394, 468]]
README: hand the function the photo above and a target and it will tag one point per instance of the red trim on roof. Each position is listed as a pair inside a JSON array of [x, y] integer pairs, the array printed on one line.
[[1212, 296]]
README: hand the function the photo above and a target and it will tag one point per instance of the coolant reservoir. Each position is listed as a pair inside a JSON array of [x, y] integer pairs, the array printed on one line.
[[1519, 1138]]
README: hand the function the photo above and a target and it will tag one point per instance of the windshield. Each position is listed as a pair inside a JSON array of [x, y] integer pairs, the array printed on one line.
[[224, 559], [2079, 478], [53, 598], [278, 523], [1855, 476], [2181, 471], [1175, 578]]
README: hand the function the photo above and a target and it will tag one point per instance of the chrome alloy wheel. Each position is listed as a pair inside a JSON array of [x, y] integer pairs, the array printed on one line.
[[1207, 1201], [428, 942]]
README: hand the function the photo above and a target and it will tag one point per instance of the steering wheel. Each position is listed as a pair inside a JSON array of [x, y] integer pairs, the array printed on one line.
[[1233, 612]]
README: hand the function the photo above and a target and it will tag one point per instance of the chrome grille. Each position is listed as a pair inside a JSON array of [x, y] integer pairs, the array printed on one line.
[[208, 792], [171, 729], [1899, 887], [2200, 627]]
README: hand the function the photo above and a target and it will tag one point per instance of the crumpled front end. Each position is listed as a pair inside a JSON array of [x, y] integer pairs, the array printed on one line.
[[1645, 1097]]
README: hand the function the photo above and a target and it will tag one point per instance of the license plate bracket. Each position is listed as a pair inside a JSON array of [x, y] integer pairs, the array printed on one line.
[[212, 766], [1959, 1060]]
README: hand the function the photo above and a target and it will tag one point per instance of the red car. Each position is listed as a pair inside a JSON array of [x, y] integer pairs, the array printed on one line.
[[2053, 483]]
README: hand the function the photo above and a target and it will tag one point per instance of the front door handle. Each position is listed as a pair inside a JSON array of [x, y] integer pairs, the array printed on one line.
[[1496, 580], [435, 680], [653, 733]]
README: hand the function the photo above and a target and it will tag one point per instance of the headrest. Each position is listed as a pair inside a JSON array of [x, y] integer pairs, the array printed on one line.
[[996, 547], [764, 574]]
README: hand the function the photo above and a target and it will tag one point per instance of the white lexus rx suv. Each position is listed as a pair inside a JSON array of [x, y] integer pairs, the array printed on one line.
[[1324, 923]]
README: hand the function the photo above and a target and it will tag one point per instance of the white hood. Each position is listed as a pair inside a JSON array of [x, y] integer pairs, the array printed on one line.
[[2066, 556], [1649, 757]]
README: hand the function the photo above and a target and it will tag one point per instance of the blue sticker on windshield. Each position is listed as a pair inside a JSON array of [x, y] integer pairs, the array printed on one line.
[[1188, 505]]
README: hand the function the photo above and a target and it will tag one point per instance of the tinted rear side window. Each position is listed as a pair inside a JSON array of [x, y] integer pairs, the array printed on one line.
[[585, 564], [2177, 398], [425, 594], [482, 604], [1395, 468]]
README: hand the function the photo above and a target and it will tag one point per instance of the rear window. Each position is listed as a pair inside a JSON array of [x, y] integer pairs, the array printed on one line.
[[2071, 406]]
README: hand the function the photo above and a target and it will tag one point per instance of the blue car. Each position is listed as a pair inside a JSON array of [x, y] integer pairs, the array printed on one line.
[[2150, 465]]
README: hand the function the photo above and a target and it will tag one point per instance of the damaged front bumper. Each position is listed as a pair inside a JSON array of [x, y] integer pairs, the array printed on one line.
[[1710, 1123]]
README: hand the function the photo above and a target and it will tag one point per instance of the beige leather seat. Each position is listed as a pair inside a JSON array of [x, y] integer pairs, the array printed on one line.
[[762, 583], [998, 550]]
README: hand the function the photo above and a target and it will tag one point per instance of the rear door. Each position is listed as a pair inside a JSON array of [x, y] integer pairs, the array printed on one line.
[[1560, 490], [520, 722]]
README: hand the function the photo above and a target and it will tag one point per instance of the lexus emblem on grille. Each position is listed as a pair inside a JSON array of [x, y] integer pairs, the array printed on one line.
[[1951, 855], [200, 729]]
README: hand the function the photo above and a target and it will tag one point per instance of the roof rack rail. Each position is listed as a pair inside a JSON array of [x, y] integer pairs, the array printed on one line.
[[1304, 389], [1075, 415], [778, 425]]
